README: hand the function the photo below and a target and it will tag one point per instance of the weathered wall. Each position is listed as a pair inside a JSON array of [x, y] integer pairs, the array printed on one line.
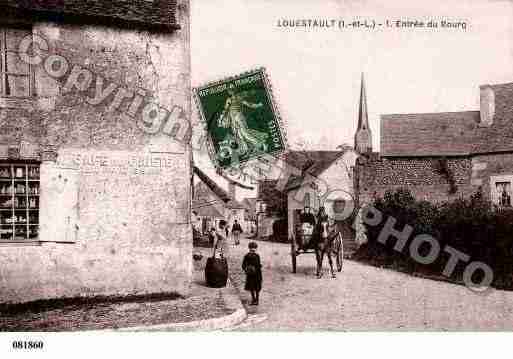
[[118, 196], [339, 180], [420, 175], [485, 167]]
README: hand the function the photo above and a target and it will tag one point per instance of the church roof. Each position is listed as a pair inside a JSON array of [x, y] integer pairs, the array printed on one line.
[[160, 13], [363, 136], [363, 118]]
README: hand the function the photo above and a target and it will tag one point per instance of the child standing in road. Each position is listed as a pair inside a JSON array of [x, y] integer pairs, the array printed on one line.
[[253, 269]]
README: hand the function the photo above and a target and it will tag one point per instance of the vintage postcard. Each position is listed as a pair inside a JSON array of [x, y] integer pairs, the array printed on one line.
[[254, 166]]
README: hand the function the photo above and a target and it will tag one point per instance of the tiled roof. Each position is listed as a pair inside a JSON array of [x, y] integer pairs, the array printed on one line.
[[234, 204], [147, 12], [450, 133], [311, 162], [206, 210], [427, 134]]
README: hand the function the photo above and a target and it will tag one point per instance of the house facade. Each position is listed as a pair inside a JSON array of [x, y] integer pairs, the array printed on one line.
[[95, 174], [443, 156], [250, 205], [211, 204], [326, 180]]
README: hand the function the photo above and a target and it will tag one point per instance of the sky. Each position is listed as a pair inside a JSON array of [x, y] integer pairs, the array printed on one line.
[[315, 72]]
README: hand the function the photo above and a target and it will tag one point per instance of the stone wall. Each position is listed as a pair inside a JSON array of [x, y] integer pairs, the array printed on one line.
[[422, 176], [115, 195]]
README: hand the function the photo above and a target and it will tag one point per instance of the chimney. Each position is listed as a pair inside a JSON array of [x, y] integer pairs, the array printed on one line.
[[487, 105], [231, 189]]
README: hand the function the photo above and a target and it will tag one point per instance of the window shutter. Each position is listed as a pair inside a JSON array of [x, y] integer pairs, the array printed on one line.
[[58, 213]]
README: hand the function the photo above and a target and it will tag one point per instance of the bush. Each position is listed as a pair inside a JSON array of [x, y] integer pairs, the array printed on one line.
[[472, 226]]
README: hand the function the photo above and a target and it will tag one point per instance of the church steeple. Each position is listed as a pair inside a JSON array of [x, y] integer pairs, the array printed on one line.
[[363, 136]]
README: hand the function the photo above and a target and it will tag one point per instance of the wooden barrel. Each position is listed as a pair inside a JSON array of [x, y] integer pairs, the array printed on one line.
[[216, 272]]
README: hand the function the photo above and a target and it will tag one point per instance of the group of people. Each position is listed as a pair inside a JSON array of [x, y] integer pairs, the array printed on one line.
[[251, 262], [220, 238]]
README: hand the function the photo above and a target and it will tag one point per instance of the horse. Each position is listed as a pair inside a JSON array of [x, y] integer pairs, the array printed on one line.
[[325, 236]]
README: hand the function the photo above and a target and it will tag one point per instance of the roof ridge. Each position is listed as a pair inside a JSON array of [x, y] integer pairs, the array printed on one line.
[[212, 185], [111, 12]]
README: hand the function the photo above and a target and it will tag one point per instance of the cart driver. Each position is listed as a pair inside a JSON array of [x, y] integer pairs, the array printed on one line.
[[307, 220]]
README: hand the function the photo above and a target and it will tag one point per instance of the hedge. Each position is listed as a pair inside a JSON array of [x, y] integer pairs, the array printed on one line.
[[471, 225]]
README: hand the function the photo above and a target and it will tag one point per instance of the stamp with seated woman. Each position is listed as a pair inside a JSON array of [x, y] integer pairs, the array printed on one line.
[[241, 119]]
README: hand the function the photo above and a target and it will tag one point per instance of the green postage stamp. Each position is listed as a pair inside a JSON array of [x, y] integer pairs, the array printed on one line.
[[241, 118]]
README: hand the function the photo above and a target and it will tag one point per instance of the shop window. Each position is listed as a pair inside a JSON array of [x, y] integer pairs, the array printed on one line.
[[19, 201], [16, 76]]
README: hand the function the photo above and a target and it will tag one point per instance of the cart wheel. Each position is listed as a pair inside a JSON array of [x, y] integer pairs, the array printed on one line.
[[340, 254], [293, 254]]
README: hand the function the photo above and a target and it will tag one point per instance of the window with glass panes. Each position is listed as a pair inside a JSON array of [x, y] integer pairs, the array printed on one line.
[[16, 75], [504, 193], [19, 200]]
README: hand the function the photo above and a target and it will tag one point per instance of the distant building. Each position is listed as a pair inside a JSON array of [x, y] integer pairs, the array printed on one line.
[[250, 217], [332, 170], [211, 203], [442, 156], [271, 209]]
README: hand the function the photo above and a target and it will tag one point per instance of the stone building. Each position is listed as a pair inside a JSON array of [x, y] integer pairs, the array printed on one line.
[[95, 169], [442, 156]]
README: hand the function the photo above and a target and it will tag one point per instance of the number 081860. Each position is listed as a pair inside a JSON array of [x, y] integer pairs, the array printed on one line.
[[29, 345]]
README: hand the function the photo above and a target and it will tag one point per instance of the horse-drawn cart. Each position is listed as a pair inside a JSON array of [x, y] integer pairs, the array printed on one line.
[[308, 241]]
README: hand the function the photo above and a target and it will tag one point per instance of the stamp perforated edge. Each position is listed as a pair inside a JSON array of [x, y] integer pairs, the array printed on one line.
[[273, 104]]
